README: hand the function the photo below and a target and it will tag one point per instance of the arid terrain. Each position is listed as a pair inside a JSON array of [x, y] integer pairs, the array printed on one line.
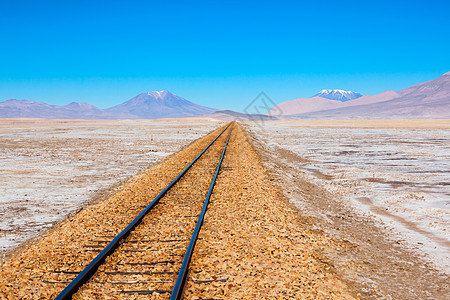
[[383, 185], [51, 168], [366, 202]]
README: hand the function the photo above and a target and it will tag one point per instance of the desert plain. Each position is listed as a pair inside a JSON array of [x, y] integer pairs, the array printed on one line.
[[394, 171], [379, 185], [52, 168]]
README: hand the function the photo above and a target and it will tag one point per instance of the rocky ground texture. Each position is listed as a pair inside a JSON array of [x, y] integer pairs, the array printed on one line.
[[253, 243], [52, 168]]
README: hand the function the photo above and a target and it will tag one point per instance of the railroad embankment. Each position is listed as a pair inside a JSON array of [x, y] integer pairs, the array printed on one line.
[[253, 244]]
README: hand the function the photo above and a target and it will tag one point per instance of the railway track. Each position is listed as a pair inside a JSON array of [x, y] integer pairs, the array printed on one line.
[[151, 255]]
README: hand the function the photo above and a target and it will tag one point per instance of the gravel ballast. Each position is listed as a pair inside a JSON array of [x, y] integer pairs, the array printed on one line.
[[253, 243]]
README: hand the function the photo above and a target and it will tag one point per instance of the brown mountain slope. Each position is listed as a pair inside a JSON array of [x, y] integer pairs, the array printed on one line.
[[429, 100], [307, 105]]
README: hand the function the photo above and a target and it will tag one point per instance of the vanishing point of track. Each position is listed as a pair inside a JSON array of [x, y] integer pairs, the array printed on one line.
[[152, 254]]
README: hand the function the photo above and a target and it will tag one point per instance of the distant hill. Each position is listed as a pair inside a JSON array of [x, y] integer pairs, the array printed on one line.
[[339, 95], [151, 105], [229, 115], [31, 109], [163, 104], [313, 104], [430, 99]]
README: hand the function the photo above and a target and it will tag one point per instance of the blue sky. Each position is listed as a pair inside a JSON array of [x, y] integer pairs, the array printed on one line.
[[217, 53]]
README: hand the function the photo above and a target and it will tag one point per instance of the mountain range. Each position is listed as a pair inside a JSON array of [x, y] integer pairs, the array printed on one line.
[[340, 95], [151, 105], [163, 104], [230, 115], [429, 99]]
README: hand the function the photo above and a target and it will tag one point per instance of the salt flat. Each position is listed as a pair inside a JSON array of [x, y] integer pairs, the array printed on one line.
[[395, 172], [50, 168]]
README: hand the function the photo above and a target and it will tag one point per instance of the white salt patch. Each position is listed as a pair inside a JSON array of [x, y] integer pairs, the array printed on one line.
[[48, 171], [404, 171]]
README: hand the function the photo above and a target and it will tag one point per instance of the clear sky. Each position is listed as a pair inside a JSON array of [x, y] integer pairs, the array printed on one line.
[[217, 53]]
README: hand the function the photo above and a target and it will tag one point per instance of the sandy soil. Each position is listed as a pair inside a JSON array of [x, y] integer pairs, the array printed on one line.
[[346, 227], [252, 236], [382, 186], [253, 243], [51, 168]]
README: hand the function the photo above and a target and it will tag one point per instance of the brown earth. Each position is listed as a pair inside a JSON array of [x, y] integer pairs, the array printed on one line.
[[50, 168], [254, 243], [375, 265], [34, 272], [259, 241]]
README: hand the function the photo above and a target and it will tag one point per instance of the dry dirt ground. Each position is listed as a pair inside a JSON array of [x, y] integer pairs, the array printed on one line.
[[51, 168], [253, 237], [275, 233], [401, 249]]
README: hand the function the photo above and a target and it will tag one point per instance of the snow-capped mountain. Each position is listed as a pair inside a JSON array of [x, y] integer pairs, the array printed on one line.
[[162, 104], [339, 95], [150, 105], [427, 100]]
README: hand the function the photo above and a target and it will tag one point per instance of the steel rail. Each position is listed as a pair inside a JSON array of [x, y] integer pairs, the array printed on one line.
[[177, 291], [92, 267]]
